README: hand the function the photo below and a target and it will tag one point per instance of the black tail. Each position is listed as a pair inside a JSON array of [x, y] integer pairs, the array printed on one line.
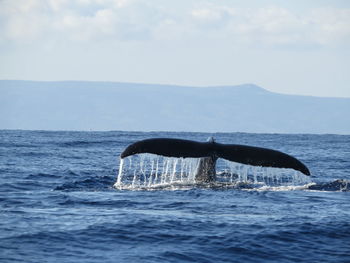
[[237, 153]]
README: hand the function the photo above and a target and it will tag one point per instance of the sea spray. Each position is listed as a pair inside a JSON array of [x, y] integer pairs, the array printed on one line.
[[149, 171], [120, 174]]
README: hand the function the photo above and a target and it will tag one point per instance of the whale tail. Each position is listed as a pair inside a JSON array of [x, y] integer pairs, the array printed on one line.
[[250, 155]]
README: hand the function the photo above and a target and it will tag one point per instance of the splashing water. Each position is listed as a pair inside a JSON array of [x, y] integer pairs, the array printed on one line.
[[149, 171]]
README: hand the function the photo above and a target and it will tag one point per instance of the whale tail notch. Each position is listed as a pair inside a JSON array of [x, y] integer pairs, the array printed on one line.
[[250, 155]]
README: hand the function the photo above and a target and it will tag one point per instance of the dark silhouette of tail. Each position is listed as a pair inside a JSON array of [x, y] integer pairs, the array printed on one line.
[[233, 152]]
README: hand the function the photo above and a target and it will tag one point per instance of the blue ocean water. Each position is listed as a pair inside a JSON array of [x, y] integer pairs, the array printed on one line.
[[58, 204]]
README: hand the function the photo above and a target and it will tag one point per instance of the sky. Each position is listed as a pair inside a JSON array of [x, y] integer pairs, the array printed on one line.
[[292, 47]]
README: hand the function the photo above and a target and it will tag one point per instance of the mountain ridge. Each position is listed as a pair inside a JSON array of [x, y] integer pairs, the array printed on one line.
[[85, 105]]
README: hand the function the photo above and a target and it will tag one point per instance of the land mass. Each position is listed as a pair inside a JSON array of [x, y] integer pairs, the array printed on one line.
[[81, 105]]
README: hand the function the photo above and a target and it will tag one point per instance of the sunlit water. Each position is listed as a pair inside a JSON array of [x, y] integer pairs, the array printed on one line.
[[64, 198]]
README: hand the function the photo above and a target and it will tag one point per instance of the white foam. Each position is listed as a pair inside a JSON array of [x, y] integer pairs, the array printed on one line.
[[281, 187], [120, 174], [149, 171]]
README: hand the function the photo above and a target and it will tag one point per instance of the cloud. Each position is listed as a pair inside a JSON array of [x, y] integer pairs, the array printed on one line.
[[277, 26], [330, 25], [79, 20], [83, 27], [22, 20], [270, 25], [125, 20], [208, 15]]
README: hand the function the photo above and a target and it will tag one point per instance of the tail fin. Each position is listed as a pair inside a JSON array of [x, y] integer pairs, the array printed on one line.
[[259, 157], [237, 153], [169, 147]]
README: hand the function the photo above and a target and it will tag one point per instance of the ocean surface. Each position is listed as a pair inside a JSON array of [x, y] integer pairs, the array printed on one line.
[[58, 203]]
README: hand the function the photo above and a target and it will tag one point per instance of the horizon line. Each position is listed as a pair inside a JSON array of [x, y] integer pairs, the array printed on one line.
[[164, 131]]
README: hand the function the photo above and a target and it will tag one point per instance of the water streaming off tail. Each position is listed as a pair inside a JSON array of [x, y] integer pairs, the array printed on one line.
[[258, 176], [149, 171]]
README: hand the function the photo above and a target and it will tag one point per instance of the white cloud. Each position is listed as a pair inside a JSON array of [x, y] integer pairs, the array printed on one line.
[[82, 20], [22, 20], [58, 5], [79, 20], [206, 14], [83, 27], [276, 26], [330, 26], [271, 25]]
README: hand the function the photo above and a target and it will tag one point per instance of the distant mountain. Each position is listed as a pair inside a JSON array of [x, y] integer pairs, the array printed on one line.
[[77, 105]]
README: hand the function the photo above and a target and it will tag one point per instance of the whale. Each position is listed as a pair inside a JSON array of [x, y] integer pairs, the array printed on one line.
[[210, 151]]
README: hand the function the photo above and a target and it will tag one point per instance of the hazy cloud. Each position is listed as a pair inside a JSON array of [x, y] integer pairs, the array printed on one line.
[[275, 25], [85, 20], [26, 20]]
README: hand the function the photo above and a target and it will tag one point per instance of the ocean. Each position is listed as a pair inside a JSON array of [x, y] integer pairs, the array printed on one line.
[[59, 204]]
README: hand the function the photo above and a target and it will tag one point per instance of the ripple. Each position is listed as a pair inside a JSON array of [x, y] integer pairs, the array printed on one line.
[[98, 183]]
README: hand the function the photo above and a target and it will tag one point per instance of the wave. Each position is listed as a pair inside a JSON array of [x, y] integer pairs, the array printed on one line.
[[174, 239], [97, 183], [85, 143], [42, 176], [337, 185]]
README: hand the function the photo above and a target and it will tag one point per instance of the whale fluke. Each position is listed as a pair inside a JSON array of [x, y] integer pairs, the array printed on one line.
[[170, 148], [258, 156], [233, 152]]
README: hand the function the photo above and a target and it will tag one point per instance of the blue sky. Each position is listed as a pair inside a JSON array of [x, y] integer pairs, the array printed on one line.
[[293, 47]]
